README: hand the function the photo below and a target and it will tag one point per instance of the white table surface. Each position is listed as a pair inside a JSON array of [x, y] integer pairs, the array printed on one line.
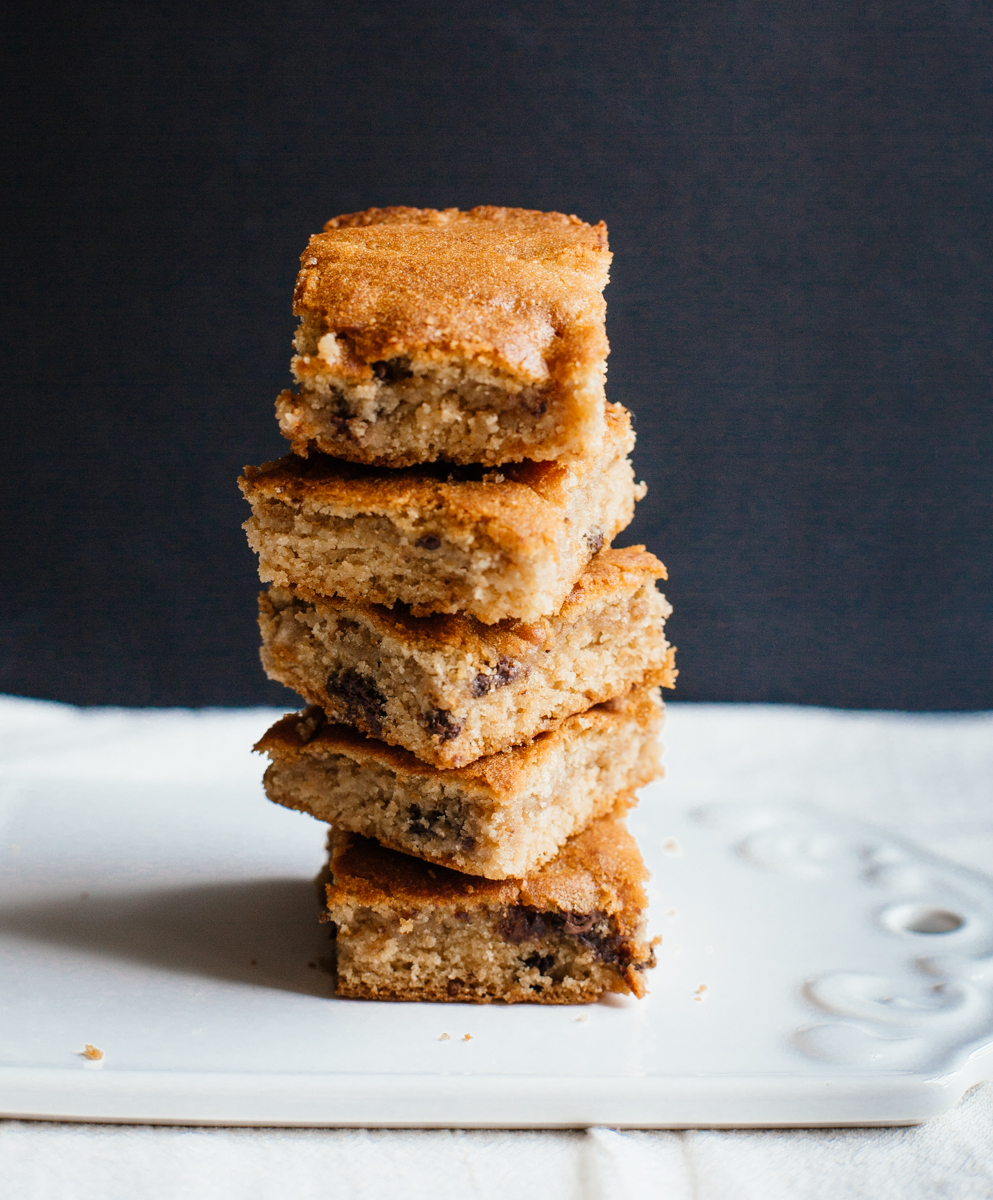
[[927, 778]]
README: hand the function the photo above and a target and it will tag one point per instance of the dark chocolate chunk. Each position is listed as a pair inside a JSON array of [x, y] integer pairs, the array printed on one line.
[[362, 701], [507, 670], [336, 411], [455, 986], [593, 930], [537, 406], [594, 539], [579, 922], [480, 686], [422, 823], [440, 723], [467, 844], [522, 924], [429, 541], [392, 370], [544, 963], [609, 947]]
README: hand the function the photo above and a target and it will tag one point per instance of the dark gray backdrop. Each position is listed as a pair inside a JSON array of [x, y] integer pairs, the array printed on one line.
[[798, 196]]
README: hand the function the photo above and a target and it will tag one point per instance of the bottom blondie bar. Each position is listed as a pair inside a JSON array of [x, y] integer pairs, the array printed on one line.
[[564, 934]]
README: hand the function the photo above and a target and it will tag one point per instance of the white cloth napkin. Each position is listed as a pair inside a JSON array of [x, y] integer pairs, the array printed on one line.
[[951, 1157], [930, 778]]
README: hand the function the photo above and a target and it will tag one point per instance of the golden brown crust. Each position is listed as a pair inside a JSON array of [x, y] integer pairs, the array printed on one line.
[[619, 571], [304, 734], [401, 214], [462, 496], [512, 288], [598, 870]]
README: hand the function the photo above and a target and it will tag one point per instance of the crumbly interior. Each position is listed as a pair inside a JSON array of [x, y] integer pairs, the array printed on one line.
[[577, 775], [382, 559], [484, 955], [449, 705], [420, 408]]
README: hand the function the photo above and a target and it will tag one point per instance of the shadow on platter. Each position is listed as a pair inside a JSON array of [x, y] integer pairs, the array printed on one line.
[[263, 932]]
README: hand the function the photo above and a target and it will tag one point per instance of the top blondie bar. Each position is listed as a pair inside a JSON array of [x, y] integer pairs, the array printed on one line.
[[468, 337]]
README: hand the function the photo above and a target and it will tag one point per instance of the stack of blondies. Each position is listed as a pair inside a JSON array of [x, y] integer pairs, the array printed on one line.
[[482, 666]]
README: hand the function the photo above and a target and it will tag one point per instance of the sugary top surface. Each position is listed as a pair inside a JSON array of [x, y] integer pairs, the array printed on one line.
[[516, 504], [598, 871], [613, 575], [514, 288], [306, 735]]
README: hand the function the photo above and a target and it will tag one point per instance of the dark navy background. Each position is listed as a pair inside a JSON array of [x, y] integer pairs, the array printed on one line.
[[798, 195]]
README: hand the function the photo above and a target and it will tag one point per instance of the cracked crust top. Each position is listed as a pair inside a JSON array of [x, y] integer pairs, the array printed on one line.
[[598, 870], [511, 288]]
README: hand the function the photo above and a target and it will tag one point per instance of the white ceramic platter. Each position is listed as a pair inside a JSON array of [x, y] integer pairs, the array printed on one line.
[[814, 970]]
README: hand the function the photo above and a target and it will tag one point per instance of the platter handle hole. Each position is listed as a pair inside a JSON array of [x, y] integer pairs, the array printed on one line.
[[933, 920]]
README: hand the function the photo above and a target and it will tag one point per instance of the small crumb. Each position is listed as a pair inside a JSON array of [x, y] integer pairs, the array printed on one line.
[[432, 874], [444, 1038], [701, 992], [254, 962], [312, 965], [672, 913], [583, 1017], [671, 846], [471, 890], [91, 1053], [467, 1038]]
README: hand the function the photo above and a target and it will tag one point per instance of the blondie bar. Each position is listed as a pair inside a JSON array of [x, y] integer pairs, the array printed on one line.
[[564, 934], [466, 336], [500, 817], [451, 689], [496, 544]]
